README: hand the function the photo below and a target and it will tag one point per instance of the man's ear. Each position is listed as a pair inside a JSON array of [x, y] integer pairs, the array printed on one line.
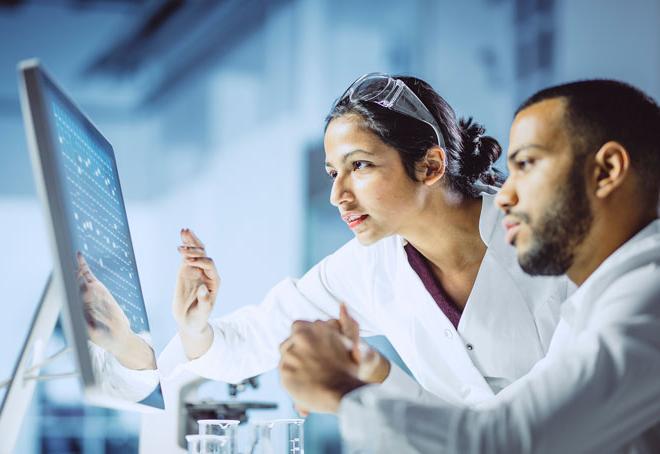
[[433, 166], [612, 167]]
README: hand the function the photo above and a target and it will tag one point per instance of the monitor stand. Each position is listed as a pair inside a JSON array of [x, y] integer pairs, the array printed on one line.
[[26, 373]]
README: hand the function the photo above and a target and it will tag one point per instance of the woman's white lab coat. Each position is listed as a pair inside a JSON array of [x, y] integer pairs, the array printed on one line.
[[504, 330]]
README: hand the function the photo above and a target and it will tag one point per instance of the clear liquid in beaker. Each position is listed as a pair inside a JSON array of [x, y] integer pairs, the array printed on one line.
[[224, 427], [207, 444]]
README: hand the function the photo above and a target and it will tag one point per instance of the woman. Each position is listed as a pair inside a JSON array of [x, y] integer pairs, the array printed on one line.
[[428, 267]]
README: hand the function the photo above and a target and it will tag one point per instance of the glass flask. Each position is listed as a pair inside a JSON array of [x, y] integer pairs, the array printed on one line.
[[279, 436]]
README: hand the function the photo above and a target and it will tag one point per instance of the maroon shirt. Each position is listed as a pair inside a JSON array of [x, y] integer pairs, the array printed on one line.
[[421, 266]]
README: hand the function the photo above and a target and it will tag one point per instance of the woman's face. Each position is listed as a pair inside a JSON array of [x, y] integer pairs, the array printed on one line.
[[374, 195]]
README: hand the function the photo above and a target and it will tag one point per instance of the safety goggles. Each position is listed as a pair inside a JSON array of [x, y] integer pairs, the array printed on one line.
[[391, 94]]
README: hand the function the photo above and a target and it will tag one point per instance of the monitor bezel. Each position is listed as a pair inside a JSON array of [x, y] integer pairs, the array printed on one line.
[[34, 80]]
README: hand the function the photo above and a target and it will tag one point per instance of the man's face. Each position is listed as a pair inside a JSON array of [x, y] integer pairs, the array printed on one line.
[[545, 198]]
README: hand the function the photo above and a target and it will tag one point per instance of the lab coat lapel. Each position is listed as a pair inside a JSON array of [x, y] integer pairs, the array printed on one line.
[[438, 345], [498, 323], [498, 320]]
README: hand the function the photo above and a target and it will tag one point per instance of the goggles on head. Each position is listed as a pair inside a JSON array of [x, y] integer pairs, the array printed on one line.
[[391, 94]]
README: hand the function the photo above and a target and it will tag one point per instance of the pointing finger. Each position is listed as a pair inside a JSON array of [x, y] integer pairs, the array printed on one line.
[[190, 239], [83, 269]]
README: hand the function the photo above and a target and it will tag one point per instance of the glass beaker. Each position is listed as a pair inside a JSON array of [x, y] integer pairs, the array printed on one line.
[[284, 433], [224, 427], [207, 444]]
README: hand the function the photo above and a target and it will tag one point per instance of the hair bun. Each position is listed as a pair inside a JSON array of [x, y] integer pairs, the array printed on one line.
[[479, 151]]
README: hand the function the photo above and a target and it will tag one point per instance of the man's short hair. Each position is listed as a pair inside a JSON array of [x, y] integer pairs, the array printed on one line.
[[602, 110]]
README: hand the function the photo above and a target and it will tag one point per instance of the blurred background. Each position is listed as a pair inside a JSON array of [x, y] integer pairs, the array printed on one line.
[[216, 111]]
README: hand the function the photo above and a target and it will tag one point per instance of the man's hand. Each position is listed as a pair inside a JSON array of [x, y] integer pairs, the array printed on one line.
[[317, 368], [107, 325], [372, 366], [194, 297]]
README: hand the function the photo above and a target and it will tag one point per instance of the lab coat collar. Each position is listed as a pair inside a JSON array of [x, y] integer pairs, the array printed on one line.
[[490, 216], [641, 249], [488, 219]]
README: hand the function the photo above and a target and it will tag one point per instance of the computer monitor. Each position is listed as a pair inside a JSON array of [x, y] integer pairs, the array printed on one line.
[[95, 277]]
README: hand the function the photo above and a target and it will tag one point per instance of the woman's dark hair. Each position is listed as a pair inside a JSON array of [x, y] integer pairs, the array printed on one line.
[[470, 154]]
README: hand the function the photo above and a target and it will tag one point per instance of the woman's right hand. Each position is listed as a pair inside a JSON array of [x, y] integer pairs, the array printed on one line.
[[194, 297]]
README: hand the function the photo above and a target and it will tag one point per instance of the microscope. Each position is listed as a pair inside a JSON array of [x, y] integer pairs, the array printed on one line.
[[191, 410], [166, 432]]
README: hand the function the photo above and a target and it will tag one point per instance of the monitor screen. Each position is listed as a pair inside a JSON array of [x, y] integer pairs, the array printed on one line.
[[107, 315]]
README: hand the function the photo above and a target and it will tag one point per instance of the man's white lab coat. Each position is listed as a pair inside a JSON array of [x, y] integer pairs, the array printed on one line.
[[596, 391], [504, 330]]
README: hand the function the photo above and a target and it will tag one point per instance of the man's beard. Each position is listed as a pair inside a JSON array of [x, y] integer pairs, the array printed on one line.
[[561, 229]]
